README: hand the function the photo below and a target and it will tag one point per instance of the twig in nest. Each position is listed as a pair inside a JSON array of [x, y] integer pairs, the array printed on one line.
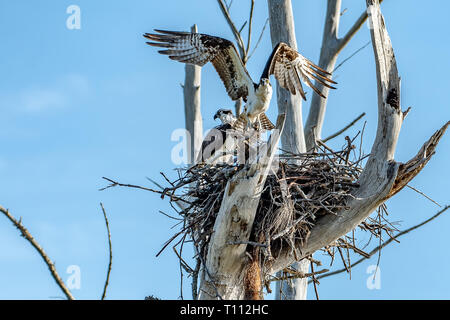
[[297, 275], [163, 193], [293, 198]]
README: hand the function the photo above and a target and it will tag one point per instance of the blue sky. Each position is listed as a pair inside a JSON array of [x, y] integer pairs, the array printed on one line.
[[76, 105]]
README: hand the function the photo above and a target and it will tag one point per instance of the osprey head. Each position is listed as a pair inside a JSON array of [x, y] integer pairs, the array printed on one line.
[[264, 82], [225, 115]]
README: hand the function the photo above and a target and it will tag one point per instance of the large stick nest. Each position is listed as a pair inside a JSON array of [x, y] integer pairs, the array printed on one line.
[[302, 189]]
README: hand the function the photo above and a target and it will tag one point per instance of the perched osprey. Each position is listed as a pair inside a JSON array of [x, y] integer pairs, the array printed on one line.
[[220, 143], [288, 66]]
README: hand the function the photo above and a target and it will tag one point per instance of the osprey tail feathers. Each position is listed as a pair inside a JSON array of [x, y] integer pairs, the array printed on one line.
[[262, 122], [266, 124]]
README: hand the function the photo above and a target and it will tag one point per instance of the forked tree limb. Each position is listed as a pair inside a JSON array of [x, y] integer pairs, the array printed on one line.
[[327, 61], [382, 176], [51, 266], [234, 30], [331, 47], [224, 277]]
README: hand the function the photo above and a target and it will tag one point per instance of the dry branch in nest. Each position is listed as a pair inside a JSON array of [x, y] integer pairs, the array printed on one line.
[[299, 189]]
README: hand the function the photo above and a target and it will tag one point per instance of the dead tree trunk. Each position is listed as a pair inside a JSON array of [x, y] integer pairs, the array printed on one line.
[[282, 29], [192, 110], [226, 268], [382, 176], [227, 264]]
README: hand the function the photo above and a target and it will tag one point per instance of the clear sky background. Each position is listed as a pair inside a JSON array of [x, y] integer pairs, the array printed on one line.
[[76, 105]]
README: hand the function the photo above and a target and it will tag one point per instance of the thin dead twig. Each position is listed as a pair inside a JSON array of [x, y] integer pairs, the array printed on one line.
[[259, 39], [297, 275], [235, 31], [351, 56], [110, 252], [334, 135], [163, 193], [423, 194], [26, 234], [342, 42], [387, 242], [250, 22]]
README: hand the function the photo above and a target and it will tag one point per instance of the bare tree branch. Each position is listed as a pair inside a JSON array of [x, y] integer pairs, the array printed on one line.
[[234, 30], [259, 39], [334, 135], [298, 275], [410, 169], [386, 243], [282, 29], [424, 195], [26, 234], [351, 56], [110, 253], [382, 176], [342, 42], [327, 60], [331, 47], [250, 23], [165, 192]]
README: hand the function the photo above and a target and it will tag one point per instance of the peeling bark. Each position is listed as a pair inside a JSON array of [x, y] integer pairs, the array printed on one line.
[[225, 270]]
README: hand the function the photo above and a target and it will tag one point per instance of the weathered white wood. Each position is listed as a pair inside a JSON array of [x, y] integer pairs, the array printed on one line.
[[192, 110], [381, 178], [380, 172], [327, 61], [225, 264], [297, 289], [331, 47], [282, 29]]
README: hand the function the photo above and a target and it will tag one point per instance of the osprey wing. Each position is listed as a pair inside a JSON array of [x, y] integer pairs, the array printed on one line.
[[198, 49], [289, 67]]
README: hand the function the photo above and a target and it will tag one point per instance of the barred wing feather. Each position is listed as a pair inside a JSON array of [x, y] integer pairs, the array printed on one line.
[[290, 68], [199, 49]]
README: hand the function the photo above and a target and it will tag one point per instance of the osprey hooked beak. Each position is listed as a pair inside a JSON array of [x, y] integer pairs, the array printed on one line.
[[221, 112]]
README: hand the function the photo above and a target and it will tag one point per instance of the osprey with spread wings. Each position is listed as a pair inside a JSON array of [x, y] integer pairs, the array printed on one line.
[[288, 66]]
